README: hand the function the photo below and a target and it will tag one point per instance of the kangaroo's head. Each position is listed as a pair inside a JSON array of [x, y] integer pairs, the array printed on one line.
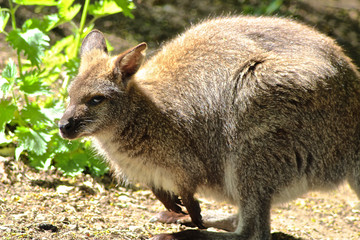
[[98, 93]]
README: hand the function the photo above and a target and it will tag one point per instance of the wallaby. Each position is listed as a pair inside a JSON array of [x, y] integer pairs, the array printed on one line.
[[250, 110]]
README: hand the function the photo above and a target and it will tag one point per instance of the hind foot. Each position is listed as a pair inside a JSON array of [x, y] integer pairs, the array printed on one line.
[[173, 217]]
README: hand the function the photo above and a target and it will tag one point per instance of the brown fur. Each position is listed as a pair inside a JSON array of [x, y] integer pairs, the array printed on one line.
[[254, 111]]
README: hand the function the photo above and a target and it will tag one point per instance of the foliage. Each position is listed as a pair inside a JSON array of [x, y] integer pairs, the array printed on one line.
[[263, 7], [33, 90]]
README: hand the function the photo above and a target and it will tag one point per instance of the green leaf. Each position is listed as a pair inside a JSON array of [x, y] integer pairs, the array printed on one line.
[[8, 77], [97, 167], [7, 113], [66, 11], [32, 42], [36, 2], [72, 67], [4, 18], [274, 6], [53, 112], [70, 50], [104, 8], [61, 44], [18, 151], [7, 149], [10, 70], [60, 145], [4, 141], [33, 114], [65, 3], [55, 57], [126, 6], [32, 84], [55, 52], [51, 21], [5, 87], [71, 163], [42, 162], [31, 140], [45, 25], [109, 47]]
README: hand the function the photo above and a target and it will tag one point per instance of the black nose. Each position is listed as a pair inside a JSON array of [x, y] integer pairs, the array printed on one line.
[[67, 126]]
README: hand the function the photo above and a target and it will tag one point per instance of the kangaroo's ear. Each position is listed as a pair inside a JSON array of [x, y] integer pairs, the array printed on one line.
[[94, 40], [127, 63]]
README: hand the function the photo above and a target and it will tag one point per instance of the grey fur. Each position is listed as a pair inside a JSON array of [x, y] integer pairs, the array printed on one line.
[[249, 110]]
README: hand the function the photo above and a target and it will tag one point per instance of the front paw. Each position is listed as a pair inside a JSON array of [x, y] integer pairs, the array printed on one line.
[[193, 208], [170, 200]]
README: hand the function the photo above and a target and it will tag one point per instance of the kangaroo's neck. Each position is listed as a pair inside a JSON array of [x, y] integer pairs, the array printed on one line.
[[133, 133]]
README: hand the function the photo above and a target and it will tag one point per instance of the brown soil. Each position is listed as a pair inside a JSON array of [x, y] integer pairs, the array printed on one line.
[[45, 205]]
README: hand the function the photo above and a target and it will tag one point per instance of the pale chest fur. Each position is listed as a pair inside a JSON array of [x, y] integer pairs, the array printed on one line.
[[136, 170]]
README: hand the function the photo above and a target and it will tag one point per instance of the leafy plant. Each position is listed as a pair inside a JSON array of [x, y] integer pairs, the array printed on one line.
[[33, 87]]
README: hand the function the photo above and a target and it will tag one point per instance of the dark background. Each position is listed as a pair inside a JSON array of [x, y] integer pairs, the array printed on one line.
[[158, 20]]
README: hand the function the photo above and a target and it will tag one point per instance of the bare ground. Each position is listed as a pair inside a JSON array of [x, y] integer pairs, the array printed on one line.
[[46, 205]]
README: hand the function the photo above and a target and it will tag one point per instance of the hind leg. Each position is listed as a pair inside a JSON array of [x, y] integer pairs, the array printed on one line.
[[211, 219], [175, 214], [219, 220], [253, 224]]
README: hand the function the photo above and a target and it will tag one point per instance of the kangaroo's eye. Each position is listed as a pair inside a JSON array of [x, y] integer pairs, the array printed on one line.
[[95, 100]]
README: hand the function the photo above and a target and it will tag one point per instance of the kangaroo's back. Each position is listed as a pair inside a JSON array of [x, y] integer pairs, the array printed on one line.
[[214, 50]]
